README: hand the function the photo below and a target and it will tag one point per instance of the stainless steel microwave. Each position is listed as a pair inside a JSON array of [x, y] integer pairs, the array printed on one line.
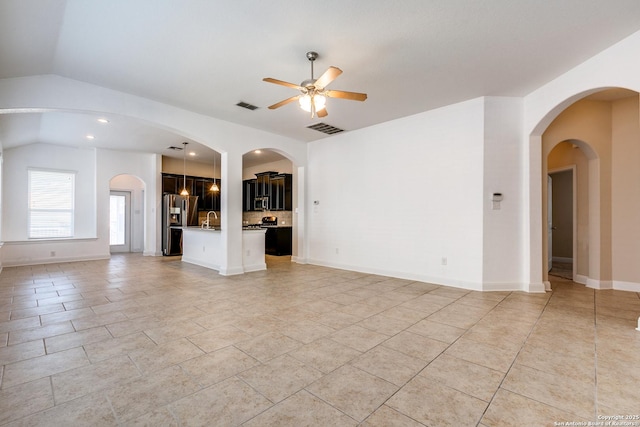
[[261, 203]]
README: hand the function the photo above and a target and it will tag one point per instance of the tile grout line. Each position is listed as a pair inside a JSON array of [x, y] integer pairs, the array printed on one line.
[[514, 361]]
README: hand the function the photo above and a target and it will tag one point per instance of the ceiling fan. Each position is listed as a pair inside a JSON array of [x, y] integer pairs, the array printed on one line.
[[313, 92]]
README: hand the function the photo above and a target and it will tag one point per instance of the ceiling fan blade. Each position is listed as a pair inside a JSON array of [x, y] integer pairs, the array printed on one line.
[[322, 113], [354, 96], [327, 77], [284, 102], [282, 83]]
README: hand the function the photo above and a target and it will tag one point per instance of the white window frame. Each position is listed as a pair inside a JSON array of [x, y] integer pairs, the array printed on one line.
[[39, 204]]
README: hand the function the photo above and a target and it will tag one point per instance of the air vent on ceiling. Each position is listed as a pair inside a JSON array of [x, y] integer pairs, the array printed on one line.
[[174, 148], [325, 128], [247, 105]]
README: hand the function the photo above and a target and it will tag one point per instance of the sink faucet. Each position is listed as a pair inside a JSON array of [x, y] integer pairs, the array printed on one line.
[[207, 223]]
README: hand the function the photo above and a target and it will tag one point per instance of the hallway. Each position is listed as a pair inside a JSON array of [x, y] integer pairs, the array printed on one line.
[[151, 341]]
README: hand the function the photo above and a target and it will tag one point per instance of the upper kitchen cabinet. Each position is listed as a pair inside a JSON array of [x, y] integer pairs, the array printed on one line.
[[281, 192], [248, 194], [196, 186], [270, 190], [207, 199], [263, 179]]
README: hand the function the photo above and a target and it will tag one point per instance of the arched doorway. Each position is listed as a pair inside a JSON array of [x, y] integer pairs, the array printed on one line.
[[578, 161], [126, 218], [270, 191], [596, 135]]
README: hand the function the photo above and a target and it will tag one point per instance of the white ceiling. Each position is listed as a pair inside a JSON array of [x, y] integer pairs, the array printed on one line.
[[205, 56]]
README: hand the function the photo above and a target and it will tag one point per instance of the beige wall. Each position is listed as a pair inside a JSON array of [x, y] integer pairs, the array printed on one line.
[[625, 191], [607, 160], [205, 170]]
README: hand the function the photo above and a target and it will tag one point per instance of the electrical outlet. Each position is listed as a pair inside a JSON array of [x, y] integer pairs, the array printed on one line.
[[53, 253], [444, 260], [248, 252], [337, 251]]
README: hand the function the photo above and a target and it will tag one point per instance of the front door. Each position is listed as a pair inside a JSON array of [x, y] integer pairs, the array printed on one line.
[[120, 221]]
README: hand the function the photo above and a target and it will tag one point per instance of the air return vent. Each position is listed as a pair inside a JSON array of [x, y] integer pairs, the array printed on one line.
[[325, 128], [247, 105]]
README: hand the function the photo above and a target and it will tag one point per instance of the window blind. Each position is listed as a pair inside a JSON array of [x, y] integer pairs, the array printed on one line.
[[51, 204]]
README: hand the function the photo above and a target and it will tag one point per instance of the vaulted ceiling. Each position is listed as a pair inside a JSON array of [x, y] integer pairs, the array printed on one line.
[[206, 56]]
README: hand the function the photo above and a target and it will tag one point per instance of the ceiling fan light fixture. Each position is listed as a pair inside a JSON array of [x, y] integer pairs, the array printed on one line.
[[305, 101]]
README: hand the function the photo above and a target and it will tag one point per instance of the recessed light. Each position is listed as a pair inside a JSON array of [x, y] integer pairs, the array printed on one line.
[[103, 120], [258, 151], [192, 153], [90, 137]]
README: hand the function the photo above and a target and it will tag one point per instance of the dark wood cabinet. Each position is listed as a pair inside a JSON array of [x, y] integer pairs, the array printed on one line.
[[277, 241], [248, 194], [207, 200], [170, 184], [263, 188], [196, 186], [281, 192]]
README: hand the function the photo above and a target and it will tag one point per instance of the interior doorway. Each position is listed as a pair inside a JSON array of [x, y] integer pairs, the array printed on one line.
[[562, 223], [120, 221]]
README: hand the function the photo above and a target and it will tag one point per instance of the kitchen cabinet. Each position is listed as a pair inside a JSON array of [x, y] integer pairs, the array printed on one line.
[[263, 188], [170, 184], [281, 192], [248, 194], [207, 199], [277, 188], [277, 241], [196, 186], [173, 184]]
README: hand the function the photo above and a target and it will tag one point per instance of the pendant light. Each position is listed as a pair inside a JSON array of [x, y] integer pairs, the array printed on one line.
[[184, 191], [214, 187]]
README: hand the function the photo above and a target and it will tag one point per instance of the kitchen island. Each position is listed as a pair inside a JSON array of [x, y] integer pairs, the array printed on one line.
[[203, 247]]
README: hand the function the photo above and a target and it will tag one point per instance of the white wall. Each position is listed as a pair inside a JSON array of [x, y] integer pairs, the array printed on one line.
[[399, 197], [43, 156], [502, 232], [147, 168], [95, 168], [18, 249]]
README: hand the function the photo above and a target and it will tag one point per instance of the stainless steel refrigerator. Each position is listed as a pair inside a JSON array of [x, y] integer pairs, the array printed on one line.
[[177, 212]]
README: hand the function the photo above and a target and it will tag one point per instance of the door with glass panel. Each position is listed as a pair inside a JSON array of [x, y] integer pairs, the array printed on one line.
[[120, 221]]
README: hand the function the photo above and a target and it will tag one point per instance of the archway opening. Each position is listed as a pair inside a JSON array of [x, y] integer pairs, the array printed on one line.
[[595, 137], [269, 178]]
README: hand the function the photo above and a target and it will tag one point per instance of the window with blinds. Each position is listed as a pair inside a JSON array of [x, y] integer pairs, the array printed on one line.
[[51, 202]]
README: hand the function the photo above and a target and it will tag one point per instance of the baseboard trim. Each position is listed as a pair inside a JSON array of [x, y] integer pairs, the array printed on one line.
[[473, 286], [255, 267], [562, 259], [56, 260], [599, 284], [200, 263], [626, 286], [581, 279]]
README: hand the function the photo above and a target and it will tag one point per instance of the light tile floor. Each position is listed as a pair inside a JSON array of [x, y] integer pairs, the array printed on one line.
[[152, 341]]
